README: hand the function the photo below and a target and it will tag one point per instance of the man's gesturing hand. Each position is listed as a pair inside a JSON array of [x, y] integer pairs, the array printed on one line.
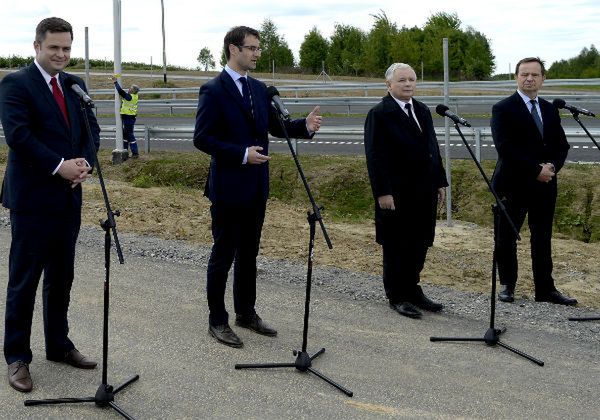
[[314, 120]]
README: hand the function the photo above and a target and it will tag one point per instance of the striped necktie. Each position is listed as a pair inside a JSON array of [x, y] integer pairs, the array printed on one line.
[[246, 94], [536, 117]]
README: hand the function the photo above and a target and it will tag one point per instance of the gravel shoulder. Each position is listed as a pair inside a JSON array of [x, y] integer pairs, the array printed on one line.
[[158, 327]]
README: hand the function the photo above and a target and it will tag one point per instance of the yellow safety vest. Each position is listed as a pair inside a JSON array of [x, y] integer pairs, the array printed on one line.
[[130, 107]]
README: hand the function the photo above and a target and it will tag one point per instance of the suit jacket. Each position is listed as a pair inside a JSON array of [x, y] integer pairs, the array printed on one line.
[[224, 129], [520, 146], [406, 163], [38, 137]]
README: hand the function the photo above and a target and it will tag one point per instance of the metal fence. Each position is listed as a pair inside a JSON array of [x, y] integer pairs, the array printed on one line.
[[475, 136], [366, 87], [351, 104]]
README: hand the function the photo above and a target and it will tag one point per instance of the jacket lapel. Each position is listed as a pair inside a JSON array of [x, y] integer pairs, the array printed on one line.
[[46, 93], [71, 102], [232, 89], [392, 106], [526, 115]]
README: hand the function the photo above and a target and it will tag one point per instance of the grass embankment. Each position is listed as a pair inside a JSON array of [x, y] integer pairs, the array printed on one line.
[[161, 195], [341, 185]]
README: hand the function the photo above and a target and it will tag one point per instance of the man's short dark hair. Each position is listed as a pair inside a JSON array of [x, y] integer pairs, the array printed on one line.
[[236, 36], [52, 25], [531, 60]]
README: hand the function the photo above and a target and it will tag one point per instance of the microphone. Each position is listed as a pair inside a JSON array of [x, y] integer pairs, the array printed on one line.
[[560, 103], [273, 94], [444, 111], [70, 82]]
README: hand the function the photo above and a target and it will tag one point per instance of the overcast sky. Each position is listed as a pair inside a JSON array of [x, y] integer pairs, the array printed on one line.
[[551, 29]]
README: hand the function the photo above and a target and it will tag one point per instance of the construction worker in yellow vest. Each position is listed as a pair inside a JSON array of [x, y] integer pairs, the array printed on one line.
[[129, 104]]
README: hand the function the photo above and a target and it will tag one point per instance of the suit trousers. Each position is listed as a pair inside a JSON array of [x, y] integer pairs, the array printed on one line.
[[538, 204], [236, 231], [41, 242], [402, 266]]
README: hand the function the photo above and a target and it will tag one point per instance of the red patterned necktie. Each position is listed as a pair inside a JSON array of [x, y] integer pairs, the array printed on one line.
[[60, 99]]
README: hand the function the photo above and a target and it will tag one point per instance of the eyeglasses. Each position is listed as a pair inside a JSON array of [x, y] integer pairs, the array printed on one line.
[[252, 48]]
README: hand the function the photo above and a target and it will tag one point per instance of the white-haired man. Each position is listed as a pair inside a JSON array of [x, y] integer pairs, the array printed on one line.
[[408, 179]]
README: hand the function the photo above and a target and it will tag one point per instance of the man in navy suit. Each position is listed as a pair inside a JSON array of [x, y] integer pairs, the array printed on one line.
[[408, 181], [532, 148], [233, 120], [49, 157]]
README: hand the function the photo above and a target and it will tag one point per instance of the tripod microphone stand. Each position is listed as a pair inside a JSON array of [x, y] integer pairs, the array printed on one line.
[[576, 118], [105, 393], [492, 335], [303, 360]]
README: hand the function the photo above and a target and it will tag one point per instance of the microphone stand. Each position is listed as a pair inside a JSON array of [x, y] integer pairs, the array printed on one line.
[[105, 394], [303, 361], [492, 335], [576, 118]]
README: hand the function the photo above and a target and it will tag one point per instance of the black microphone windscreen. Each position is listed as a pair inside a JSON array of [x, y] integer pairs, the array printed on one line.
[[441, 109], [272, 91], [559, 103]]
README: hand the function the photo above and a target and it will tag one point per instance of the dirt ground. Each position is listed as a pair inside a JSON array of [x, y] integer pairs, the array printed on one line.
[[461, 257]]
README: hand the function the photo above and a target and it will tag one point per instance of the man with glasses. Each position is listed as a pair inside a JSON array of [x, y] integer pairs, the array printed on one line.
[[532, 148], [233, 120]]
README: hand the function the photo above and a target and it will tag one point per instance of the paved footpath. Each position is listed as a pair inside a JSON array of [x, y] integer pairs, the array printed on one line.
[[158, 329]]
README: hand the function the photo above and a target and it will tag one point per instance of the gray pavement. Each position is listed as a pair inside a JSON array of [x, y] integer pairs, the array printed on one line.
[[158, 329]]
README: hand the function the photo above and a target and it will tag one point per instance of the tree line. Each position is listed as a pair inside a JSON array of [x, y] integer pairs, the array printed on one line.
[[350, 51], [16, 61], [586, 65]]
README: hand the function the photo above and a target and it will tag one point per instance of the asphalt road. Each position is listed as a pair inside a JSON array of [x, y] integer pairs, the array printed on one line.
[[582, 149], [158, 324]]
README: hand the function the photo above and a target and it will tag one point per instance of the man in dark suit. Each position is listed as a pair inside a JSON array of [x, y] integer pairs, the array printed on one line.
[[233, 120], [532, 148], [408, 180], [49, 157]]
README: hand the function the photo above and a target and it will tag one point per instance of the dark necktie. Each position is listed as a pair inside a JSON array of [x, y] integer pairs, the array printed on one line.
[[411, 117], [60, 99], [246, 94], [536, 117]]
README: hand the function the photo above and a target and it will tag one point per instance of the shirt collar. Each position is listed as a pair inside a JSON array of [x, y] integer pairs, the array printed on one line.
[[526, 98], [45, 74], [234, 74], [402, 103]]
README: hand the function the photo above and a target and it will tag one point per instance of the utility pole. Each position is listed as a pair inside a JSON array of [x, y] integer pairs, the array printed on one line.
[[162, 8], [87, 59], [447, 134], [118, 154]]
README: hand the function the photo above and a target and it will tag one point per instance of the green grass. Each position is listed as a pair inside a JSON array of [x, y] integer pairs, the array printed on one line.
[[341, 185]]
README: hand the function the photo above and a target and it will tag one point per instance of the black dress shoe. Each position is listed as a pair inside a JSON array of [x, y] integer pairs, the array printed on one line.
[[224, 334], [555, 297], [423, 302], [75, 359], [406, 309], [19, 377], [506, 294], [255, 324]]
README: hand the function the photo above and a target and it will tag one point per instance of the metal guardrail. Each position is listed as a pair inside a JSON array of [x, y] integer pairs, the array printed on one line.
[[350, 102], [476, 136], [337, 86]]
